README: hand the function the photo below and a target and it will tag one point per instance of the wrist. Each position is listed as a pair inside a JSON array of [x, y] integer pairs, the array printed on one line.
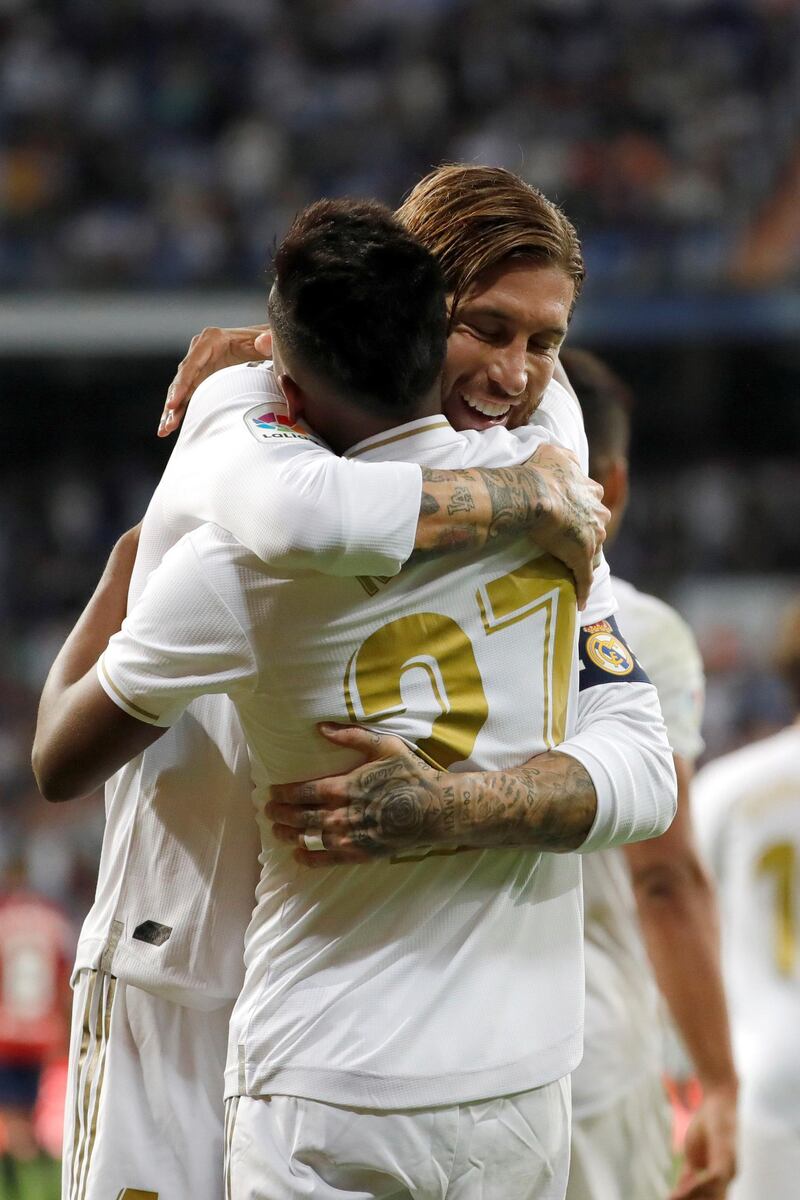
[[723, 1086], [457, 790], [542, 500]]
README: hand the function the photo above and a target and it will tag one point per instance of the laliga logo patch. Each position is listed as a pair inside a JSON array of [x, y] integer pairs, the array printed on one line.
[[269, 420], [607, 651]]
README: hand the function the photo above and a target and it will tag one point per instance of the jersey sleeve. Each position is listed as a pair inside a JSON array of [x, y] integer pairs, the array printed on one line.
[[180, 641], [559, 413], [621, 740], [283, 494]]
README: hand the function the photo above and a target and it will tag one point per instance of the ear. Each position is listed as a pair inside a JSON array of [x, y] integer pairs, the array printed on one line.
[[615, 485], [293, 395]]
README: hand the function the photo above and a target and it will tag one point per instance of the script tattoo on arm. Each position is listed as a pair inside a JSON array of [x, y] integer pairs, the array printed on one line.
[[517, 500], [549, 803], [463, 510], [548, 498], [462, 501]]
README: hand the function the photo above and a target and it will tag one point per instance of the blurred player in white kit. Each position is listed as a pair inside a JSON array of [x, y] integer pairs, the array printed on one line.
[[653, 896], [608, 819], [747, 808]]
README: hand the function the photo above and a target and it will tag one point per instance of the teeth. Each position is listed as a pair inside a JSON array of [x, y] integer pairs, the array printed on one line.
[[487, 407]]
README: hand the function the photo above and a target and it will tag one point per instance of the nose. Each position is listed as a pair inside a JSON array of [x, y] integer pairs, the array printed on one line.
[[509, 370]]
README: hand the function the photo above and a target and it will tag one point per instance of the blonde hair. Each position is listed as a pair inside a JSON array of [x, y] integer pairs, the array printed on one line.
[[471, 218]]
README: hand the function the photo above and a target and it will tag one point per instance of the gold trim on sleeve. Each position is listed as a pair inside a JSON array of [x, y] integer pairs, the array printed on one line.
[[128, 703]]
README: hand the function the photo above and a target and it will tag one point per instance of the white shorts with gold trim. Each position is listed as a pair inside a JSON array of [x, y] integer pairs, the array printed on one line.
[[144, 1109], [510, 1148]]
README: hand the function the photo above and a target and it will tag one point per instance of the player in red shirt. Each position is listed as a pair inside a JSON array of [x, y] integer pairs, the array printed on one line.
[[36, 946]]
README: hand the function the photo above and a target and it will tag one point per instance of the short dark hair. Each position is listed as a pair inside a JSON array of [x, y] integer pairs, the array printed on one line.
[[361, 302], [606, 402]]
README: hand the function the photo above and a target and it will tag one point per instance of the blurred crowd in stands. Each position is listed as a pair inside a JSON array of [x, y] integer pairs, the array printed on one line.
[[164, 143]]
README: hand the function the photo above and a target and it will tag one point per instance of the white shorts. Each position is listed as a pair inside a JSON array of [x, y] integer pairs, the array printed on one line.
[[510, 1148], [768, 1163], [623, 1152], [144, 1109]]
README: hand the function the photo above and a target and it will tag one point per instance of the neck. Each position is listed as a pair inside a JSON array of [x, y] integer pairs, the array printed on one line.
[[352, 426]]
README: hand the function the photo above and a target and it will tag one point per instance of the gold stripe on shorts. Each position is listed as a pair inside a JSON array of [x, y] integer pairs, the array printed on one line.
[[95, 1030], [232, 1105]]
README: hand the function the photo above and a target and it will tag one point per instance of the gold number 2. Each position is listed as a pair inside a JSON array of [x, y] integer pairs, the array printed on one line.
[[780, 861], [442, 649]]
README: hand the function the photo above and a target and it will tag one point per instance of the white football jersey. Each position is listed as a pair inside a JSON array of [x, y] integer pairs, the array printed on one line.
[[179, 865], [179, 817], [473, 661], [623, 1033], [747, 815], [432, 979]]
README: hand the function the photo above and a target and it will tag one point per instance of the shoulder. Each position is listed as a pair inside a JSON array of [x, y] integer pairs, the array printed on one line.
[[666, 647], [644, 611], [191, 568], [497, 447], [560, 413], [734, 775], [255, 377], [232, 388], [216, 553]]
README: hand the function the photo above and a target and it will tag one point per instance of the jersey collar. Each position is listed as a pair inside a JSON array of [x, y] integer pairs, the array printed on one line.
[[404, 443]]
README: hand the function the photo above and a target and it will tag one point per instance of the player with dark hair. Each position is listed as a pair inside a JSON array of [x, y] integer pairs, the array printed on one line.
[[173, 901], [450, 659], [361, 304], [513, 270]]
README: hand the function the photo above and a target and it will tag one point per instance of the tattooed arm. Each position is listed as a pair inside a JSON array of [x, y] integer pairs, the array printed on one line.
[[612, 782], [396, 801], [549, 498]]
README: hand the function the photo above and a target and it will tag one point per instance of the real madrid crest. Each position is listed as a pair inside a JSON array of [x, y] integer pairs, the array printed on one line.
[[608, 652]]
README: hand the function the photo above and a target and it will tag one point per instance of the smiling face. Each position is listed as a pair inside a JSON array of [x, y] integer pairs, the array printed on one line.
[[503, 343]]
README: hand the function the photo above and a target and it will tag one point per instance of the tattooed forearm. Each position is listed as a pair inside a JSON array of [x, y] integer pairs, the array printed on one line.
[[401, 803], [549, 803], [516, 498], [462, 501], [548, 498], [463, 510]]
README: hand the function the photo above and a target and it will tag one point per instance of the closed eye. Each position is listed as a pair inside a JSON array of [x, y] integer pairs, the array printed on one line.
[[486, 333]]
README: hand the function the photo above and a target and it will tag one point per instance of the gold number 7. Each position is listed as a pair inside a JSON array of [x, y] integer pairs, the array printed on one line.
[[443, 650]]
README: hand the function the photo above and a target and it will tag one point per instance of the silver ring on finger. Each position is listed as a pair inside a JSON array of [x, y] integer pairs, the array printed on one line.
[[312, 839]]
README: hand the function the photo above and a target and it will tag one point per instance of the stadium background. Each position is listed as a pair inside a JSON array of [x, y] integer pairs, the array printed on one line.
[[151, 151]]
